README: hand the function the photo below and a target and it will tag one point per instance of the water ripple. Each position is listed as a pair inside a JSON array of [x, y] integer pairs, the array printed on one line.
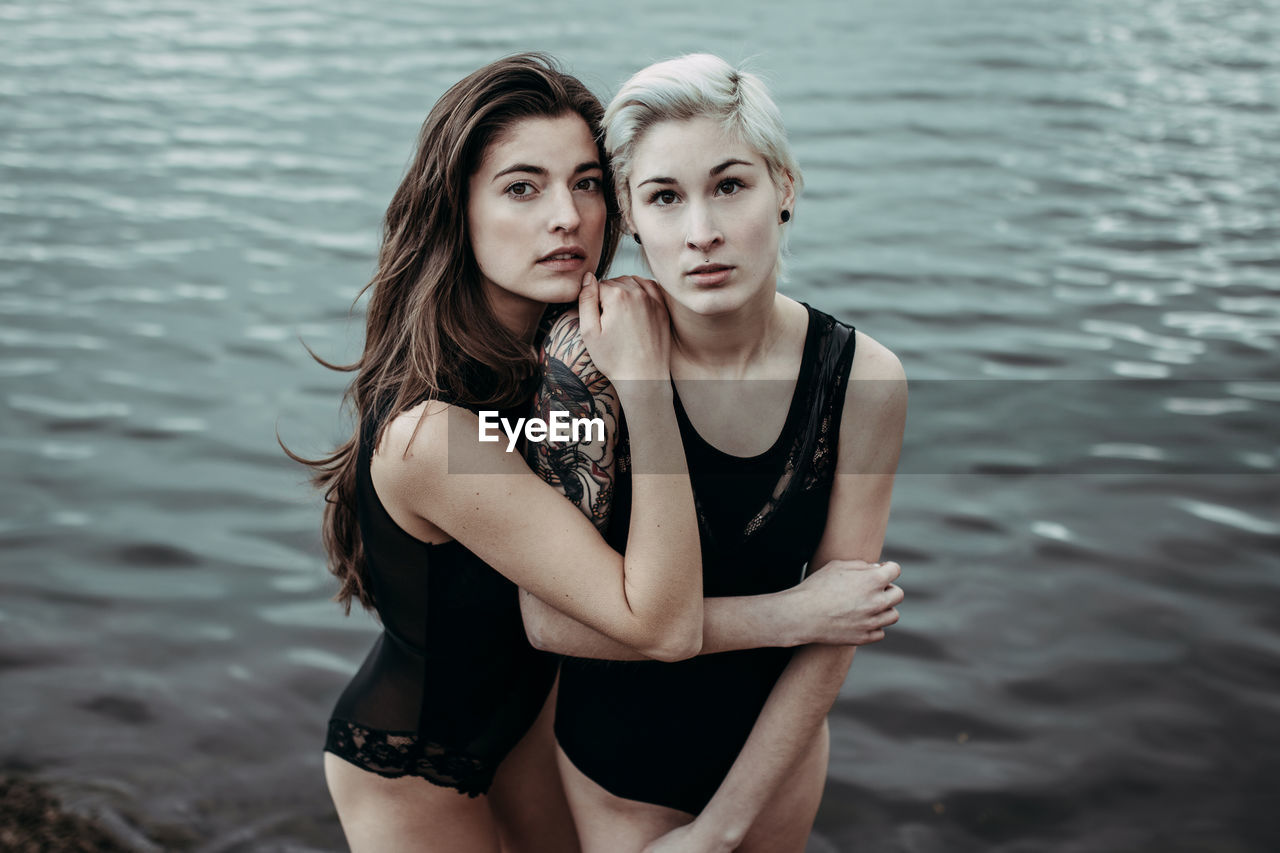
[[69, 409], [1231, 517]]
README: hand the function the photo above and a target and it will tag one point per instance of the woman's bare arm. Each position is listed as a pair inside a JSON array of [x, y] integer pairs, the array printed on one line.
[[870, 442], [432, 462], [728, 623]]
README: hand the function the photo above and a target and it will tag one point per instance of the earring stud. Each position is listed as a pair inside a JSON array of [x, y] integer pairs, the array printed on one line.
[[786, 216]]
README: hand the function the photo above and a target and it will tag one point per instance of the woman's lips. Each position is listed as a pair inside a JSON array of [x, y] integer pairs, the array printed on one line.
[[564, 260], [710, 275]]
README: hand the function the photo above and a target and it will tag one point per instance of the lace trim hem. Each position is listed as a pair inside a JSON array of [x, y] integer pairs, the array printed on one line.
[[396, 754]]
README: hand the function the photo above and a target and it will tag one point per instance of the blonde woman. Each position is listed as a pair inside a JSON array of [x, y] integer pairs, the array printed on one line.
[[792, 425]]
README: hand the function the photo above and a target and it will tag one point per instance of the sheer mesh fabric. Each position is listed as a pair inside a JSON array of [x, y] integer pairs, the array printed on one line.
[[452, 683]]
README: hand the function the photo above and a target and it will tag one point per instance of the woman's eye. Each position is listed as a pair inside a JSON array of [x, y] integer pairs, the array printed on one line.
[[663, 198], [520, 189], [729, 187]]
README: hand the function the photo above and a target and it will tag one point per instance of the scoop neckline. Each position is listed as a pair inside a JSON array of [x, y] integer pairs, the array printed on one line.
[[788, 425]]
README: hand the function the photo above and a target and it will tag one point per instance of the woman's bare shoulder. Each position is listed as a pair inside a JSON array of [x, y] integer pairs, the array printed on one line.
[[875, 410], [408, 463], [874, 361], [416, 441]]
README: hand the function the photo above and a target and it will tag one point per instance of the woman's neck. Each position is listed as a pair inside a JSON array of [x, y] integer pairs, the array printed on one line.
[[517, 314], [729, 345]]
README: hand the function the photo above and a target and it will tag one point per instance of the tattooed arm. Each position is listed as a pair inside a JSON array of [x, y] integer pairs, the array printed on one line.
[[583, 470], [831, 606]]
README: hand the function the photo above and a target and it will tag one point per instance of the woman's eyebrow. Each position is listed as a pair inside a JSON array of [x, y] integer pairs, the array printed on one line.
[[542, 173], [727, 163], [715, 171], [521, 167]]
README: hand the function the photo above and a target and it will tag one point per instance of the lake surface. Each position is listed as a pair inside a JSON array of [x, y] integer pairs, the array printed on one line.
[[1063, 217]]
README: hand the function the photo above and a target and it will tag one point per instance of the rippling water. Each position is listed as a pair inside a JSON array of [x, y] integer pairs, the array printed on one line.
[[1064, 217]]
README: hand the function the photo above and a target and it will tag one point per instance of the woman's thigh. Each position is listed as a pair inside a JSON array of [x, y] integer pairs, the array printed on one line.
[[528, 797], [610, 824], [783, 826], [381, 815]]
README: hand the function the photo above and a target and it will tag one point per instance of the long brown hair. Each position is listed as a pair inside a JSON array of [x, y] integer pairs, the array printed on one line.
[[430, 332]]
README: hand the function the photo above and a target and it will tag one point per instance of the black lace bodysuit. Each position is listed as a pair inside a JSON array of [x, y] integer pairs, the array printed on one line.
[[452, 684], [668, 733]]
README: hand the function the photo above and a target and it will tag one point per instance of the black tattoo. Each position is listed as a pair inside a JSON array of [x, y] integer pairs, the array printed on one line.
[[583, 470]]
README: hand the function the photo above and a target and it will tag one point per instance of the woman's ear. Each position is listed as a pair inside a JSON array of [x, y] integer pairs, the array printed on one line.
[[787, 184]]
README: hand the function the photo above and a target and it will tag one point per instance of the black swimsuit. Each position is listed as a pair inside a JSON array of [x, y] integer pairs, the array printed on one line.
[[452, 684], [668, 733]]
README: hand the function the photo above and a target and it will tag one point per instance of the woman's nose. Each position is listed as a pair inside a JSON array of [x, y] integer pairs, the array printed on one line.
[[703, 232], [565, 216]]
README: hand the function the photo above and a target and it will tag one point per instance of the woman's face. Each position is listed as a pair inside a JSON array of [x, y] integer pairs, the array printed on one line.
[[708, 215], [536, 213]]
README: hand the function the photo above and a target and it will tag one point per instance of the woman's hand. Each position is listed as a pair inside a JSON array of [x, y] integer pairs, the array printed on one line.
[[625, 326], [849, 602], [688, 839]]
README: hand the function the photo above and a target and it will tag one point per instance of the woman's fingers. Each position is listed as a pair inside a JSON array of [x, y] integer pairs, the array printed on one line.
[[651, 289], [611, 299], [589, 307], [626, 331], [890, 596], [634, 285], [621, 282]]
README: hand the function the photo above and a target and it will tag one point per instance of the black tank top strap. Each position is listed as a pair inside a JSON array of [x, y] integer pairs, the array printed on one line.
[[811, 371], [811, 447]]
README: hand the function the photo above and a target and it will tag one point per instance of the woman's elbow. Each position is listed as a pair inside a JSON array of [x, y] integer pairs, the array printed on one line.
[[676, 645], [536, 627], [536, 636], [542, 638]]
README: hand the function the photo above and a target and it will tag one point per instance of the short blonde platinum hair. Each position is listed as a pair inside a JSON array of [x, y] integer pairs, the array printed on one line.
[[695, 86]]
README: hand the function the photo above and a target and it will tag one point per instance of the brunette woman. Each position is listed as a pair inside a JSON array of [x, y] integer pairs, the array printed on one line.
[[433, 745]]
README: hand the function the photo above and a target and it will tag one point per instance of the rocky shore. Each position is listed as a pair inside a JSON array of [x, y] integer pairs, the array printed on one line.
[[32, 820]]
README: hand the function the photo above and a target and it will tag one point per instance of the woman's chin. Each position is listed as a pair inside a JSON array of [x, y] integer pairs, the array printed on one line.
[[561, 291], [550, 290], [711, 302]]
